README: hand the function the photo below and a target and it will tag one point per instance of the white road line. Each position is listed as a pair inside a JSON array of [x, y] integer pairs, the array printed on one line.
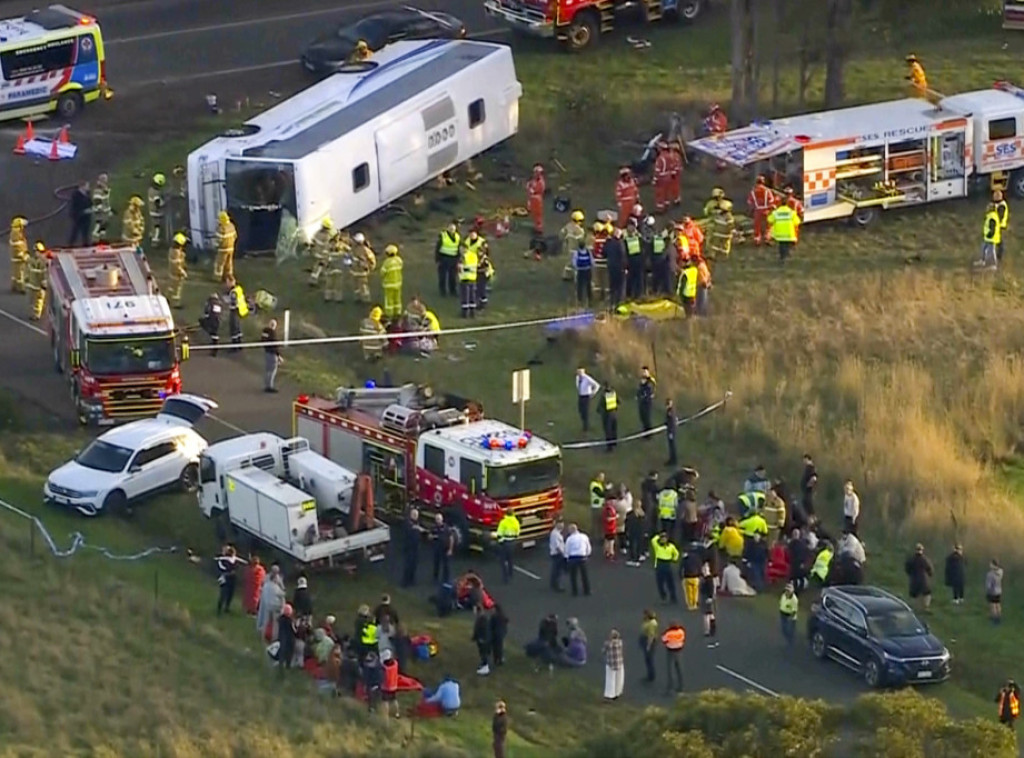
[[748, 682], [228, 424], [22, 322], [248, 22], [258, 67], [524, 572]]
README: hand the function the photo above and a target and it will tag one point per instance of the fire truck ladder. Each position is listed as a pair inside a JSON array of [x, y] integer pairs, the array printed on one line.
[[99, 271], [607, 10]]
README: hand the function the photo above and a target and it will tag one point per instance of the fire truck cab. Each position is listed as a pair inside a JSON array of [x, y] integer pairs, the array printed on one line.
[[440, 455], [111, 333], [578, 24]]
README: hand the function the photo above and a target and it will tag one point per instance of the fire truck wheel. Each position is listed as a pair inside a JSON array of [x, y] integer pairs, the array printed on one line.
[[583, 31], [115, 503], [189, 478], [690, 11], [864, 217]]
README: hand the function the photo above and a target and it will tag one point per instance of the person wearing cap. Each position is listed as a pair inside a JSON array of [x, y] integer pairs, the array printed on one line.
[[371, 326], [918, 569], [536, 186], [302, 601], [391, 282], [176, 269], [227, 237], [156, 202], [446, 256], [499, 729], [389, 684], [916, 76], [788, 606], [363, 263], [627, 195]]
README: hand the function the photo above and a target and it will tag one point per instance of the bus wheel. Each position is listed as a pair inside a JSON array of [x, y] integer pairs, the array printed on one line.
[[69, 105]]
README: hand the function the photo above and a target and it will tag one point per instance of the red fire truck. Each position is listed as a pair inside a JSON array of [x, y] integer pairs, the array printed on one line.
[[578, 24], [441, 455], [111, 334]]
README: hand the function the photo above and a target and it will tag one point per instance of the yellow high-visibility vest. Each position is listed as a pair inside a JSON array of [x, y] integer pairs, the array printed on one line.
[[783, 221], [633, 244], [450, 243], [611, 400], [596, 494], [508, 528], [243, 306], [468, 266], [668, 503], [667, 553], [788, 605], [821, 564], [992, 231], [690, 282]]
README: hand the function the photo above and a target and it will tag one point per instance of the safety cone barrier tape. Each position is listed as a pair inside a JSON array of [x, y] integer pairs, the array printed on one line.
[[30, 132], [54, 152], [63, 138]]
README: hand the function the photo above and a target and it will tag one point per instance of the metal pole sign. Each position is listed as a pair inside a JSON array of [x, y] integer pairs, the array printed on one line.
[[521, 392]]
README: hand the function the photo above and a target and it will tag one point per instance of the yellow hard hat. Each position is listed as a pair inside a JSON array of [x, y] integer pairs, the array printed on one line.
[[376, 314], [40, 247], [717, 192], [179, 239], [223, 217], [361, 45], [577, 215], [391, 250], [18, 222], [159, 180], [725, 205], [599, 226], [326, 224], [135, 201]]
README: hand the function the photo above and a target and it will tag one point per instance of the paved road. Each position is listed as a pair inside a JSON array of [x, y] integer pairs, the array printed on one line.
[[240, 48]]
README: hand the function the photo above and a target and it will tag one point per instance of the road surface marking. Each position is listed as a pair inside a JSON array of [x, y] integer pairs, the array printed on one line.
[[248, 22], [749, 682], [22, 322], [228, 424], [524, 572], [257, 67]]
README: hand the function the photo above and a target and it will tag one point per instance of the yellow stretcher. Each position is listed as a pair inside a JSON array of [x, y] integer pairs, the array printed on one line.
[[655, 310]]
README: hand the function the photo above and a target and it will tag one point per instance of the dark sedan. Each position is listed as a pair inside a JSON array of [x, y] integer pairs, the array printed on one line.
[[330, 52]]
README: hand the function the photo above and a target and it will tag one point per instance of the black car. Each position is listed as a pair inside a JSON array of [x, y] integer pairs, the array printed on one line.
[[876, 634], [330, 52]]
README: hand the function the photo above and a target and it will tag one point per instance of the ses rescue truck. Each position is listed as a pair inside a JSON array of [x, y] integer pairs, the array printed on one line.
[[578, 24], [51, 60], [1013, 14], [282, 494], [439, 455], [854, 162], [111, 333]]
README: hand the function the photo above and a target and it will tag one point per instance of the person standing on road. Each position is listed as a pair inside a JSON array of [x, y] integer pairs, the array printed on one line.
[[499, 729], [556, 552], [238, 308], [444, 547], [955, 573], [691, 567], [851, 506], [227, 577], [577, 552], [634, 523], [674, 639], [507, 534], [586, 388], [272, 358], [788, 606], [919, 571], [482, 638], [80, 208], [645, 398], [994, 591], [598, 491], [671, 423], [410, 542], [210, 320], [648, 639], [709, 605], [665, 556], [614, 667]]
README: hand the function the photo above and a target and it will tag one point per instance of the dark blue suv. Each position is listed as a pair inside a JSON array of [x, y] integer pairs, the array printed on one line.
[[876, 634]]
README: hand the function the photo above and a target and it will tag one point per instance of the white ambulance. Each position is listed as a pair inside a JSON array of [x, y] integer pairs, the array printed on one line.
[[854, 162]]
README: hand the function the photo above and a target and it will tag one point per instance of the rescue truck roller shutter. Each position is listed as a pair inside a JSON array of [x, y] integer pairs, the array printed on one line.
[[354, 142], [579, 24], [113, 338], [854, 162], [440, 455]]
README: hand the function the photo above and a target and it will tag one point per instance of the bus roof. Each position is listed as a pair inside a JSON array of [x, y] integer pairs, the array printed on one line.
[[40, 23], [470, 438], [123, 316], [343, 102]]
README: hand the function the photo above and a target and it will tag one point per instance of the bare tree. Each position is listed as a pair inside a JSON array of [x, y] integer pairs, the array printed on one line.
[[744, 92], [838, 20]]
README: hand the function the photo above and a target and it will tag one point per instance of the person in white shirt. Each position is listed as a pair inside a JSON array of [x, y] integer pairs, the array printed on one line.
[[586, 388], [851, 507], [852, 546], [734, 584], [577, 552], [556, 550]]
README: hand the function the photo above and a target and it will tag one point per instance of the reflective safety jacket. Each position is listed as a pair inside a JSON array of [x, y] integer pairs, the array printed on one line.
[[508, 528], [597, 494], [667, 553], [821, 564], [468, 265], [391, 272], [448, 244], [992, 231], [783, 222], [668, 503], [611, 401], [674, 638]]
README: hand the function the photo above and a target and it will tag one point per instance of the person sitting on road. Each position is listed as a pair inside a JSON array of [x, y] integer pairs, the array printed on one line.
[[733, 582]]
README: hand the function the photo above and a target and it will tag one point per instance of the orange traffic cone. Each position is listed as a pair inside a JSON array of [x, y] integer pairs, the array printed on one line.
[[54, 154], [30, 132], [63, 138], [19, 146]]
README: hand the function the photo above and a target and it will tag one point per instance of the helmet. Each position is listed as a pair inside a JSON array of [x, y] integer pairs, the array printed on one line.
[[725, 205], [18, 223], [223, 217], [662, 145], [622, 310], [717, 193], [714, 107], [40, 248], [391, 250], [135, 202], [789, 190], [538, 168], [361, 45], [180, 239], [359, 238], [599, 226], [326, 223], [911, 58], [376, 313], [577, 215], [159, 180], [624, 171], [649, 221]]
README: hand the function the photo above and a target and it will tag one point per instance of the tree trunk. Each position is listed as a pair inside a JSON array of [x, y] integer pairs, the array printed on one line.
[[837, 43], [744, 90], [779, 26], [736, 27]]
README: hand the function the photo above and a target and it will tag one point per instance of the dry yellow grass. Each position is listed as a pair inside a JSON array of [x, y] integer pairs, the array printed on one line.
[[909, 383]]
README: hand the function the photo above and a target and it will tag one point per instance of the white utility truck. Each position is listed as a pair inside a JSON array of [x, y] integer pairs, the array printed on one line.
[[351, 144], [281, 493], [853, 162]]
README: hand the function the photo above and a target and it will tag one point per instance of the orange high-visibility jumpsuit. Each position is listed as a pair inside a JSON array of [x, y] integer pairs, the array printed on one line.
[[535, 201], [761, 201], [675, 187], [695, 235], [662, 181], [627, 194]]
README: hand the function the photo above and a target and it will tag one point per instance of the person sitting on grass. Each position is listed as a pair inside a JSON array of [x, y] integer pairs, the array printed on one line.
[[445, 699], [546, 648], [575, 644], [322, 646]]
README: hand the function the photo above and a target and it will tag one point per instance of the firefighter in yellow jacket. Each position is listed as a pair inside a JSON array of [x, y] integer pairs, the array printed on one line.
[[364, 263], [916, 76], [157, 203], [176, 268], [35, 286], [372, 327], [133, 223], [19, 254], [227, 236], [721, 226], [391, 282], [334, 269]]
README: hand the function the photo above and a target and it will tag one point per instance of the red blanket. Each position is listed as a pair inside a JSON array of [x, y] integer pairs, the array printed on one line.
[[405, 684]]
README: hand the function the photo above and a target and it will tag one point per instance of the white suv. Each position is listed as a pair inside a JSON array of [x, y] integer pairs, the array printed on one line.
[[129, 462]]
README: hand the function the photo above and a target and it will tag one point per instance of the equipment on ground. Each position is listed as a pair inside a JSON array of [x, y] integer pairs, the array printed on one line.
[[578, 24], [854, 162], [281, 493], [111, 334], [440, 455], [355, 142]]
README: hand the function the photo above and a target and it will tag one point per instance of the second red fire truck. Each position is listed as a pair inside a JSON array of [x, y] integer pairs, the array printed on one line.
[[440, 454]]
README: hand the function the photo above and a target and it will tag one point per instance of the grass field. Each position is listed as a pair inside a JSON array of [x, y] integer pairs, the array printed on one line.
[[905, 378]]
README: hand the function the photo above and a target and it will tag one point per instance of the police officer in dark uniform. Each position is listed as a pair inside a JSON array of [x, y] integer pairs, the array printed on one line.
[[210, 320], [645, 397], [610, 417], [615, 258]]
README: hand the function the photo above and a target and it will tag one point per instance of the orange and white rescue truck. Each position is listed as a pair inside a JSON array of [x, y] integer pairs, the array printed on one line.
[[854, 162], [111, 333], [440, 455]]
